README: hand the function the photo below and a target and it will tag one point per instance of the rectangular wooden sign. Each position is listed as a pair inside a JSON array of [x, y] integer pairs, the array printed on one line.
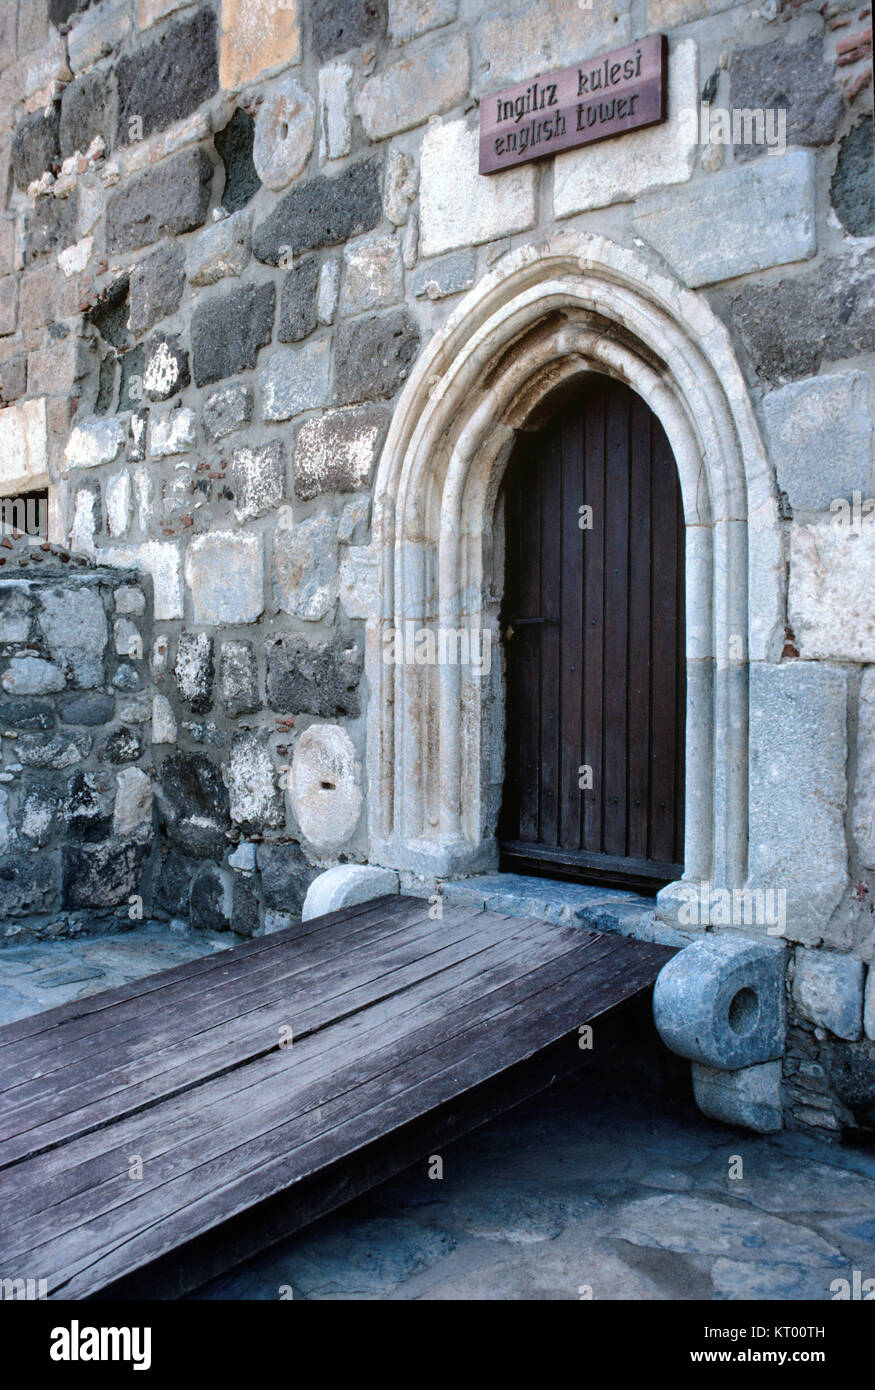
[[604, 96]]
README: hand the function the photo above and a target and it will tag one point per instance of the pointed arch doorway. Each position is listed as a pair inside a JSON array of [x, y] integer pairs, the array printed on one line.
[[592, 626]]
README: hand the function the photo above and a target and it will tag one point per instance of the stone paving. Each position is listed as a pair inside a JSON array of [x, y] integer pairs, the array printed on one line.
[[43, 974], [592, 1188]]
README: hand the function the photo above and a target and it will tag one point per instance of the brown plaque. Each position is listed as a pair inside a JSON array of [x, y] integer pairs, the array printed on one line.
[[598, 97]]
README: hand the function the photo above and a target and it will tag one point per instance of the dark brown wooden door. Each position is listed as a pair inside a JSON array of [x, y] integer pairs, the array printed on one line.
[[593, 626]]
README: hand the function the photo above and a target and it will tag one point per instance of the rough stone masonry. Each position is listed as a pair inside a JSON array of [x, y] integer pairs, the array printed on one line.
[[229, 232]]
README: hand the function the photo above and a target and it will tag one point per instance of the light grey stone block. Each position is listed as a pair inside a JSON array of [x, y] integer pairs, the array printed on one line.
[[864, 781], [819, 433], [828, 991], [750, 1097], [345, 885], [449, 275], [738, 221], [296, 380], [720, 1001]]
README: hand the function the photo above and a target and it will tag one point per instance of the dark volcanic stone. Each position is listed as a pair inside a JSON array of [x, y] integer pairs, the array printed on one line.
[[168, 80], [194, 670], [851, 1069], [285, 875], [852, 190], [13, 378], [38, 815], [307, 678], [85, 113], [101, 875], [165, 201], [26, 714], [228, 330], [234, 148], [130, 389], [791, 327], [323, 212], [28, 883], [244, 911], [238, 678], [62, 10], [124, 746], [88, 710], [172, 885], [298, 301], [166, 370], [790, 77], [194, 804], [87, 807], [373, 356], [110, 314], [338, 25], [51, 226], [157, 283], [35, 146], [208, 911]]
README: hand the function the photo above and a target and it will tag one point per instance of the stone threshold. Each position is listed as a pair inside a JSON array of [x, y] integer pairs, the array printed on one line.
[[567, 904]]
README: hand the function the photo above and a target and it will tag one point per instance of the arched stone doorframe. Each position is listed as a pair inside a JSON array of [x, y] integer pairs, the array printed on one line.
[[580, 303]]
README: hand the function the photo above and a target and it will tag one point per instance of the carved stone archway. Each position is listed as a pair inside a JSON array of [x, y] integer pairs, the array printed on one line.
[[579, 304]]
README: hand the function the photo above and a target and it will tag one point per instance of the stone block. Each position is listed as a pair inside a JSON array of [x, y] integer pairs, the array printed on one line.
[[124, 746], [313, 678], [258, 478], [622, 168], [194, 670], [347, 885], [321, 212], [238, 679], [150, 11], [325, 785], [373, 275], [160, 560], [228, 330], [373, 356], [225, 573], [256, 800], [28, 884], [167, 80], [194, 805], [458, 206], [400, 185], [792, 78], [257, 39], [165, 367], [164, 728], [132, 816], [101, 30], [750, 1097], [50, 227], [408, 92], [338, 449], [174, 431], [305, 560], [208, 904], [156, 286], [335, 110], [295, 380], [86, 113], [234, 147], [832, 579], [819, 434], [410, 18], [27, 714], [74, 624], [168, 200], [87, 710], [245, 909], [852, 187], [31, 675], [863, 822], [24, 445], [35, 146], [328, 292], [720, 1001], [739, 221], [522, 41], [53, 751], [339, 25], [869, 1005], [226, 411], [798, 794], [449, 275], [285, 128], [828, 992], [220, 250], [298, 301]]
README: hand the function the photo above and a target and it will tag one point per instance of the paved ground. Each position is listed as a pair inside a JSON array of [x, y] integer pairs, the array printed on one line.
[[587, 1188]]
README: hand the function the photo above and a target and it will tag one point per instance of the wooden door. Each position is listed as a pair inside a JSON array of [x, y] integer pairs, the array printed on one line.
[[593, 627]]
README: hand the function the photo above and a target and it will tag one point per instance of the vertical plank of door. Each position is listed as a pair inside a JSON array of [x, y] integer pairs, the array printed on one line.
[[639, 725], [680, 732], [664, 639], [616, 619], [528, 642], [592, 685], [550, 465], [573, 496]]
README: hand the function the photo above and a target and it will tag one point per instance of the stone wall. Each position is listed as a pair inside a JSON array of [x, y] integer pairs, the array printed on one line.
[[229, 232]]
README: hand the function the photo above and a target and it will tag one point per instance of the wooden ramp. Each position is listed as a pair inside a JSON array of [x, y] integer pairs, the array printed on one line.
[[267, 1084]]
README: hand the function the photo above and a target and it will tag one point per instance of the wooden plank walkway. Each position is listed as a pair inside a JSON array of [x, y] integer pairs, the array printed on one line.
[[265, 1085]]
